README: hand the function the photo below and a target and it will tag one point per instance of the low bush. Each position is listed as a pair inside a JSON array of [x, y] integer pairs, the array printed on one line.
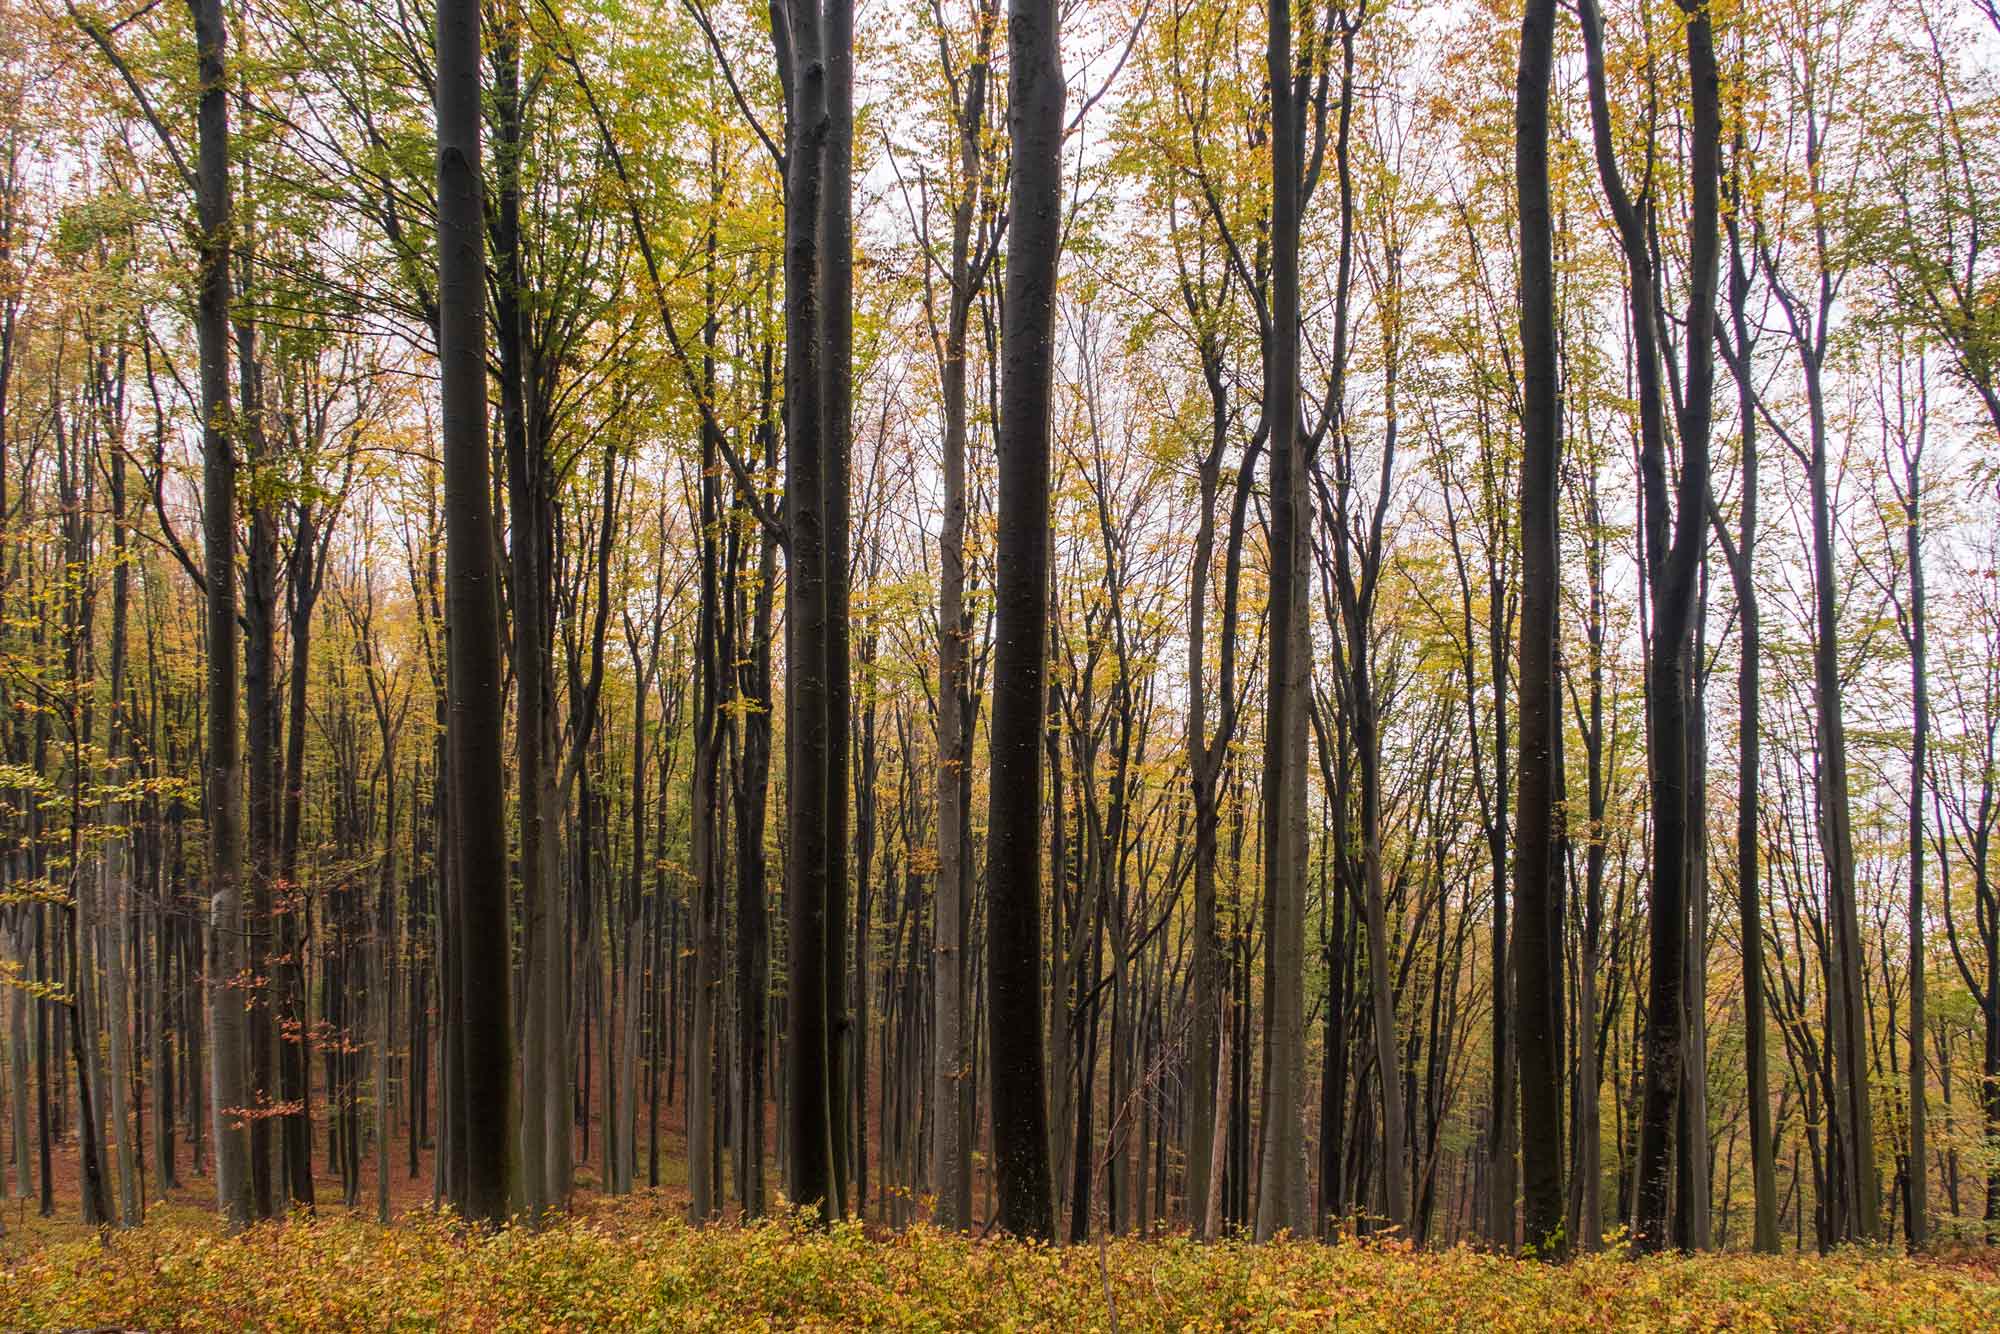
[[620, 1271]]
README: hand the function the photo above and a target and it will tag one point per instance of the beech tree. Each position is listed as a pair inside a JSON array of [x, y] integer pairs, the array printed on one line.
[[478, 867], [1538, 943], [1013, 868]]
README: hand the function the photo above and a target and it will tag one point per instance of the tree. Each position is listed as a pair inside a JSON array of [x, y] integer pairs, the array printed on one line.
[[1535, 870], [229, 1058], [972, 250], [810, 49], [1736, 346], [1674, 534], [1281, 1200], [1907, 426], [1020, 666], [483, 1124]]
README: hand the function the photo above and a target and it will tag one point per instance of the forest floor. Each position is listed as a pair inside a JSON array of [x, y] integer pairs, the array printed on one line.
[[630, 1262], [633, 1264]]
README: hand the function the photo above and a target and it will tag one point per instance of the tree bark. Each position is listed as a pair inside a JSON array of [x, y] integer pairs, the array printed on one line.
[[1673, 533], [1749, 708], [808, 689], [1540, 1040], [951, 1159], [483, 1118], [228, 1021], [836, 369], [1915, 633], [1020, 664]]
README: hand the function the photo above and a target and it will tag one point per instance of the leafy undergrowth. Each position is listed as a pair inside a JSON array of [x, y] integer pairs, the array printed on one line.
[[627, 1272]]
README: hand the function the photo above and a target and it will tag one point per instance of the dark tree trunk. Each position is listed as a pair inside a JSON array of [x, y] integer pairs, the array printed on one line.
[[1281, 1197], [544, 1075], [1915, 630], [1749, 894], [260, 709], [294, 1082], [1540, 1040], [753, 769], [808, 691], [1020, 663], [836, 370], [1672, 545], [229, 1057], [951, 1161], [483, 1117]]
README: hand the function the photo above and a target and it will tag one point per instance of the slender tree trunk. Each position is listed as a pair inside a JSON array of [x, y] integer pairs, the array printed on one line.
[[378, 983], [1673, 536], [544, 1076], [1915, 632], [228, 1022], [836, 369], [808, 690], [1848, 1026], [1537, 818], [1749, 707], [260, 709], [483, 1119], [705, 898], [17, 1054], [294, 1082], [1020, 665], [118, 873], [951, 1176], [1281, 1200], [753, 766]]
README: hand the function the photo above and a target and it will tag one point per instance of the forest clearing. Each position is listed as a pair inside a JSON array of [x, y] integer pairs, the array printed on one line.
[[1000, 663]]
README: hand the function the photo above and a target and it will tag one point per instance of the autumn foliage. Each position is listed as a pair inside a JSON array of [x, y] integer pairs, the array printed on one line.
[[634, 1269]]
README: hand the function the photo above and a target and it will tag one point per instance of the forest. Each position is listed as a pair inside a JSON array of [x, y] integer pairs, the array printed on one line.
[[1145, 625]]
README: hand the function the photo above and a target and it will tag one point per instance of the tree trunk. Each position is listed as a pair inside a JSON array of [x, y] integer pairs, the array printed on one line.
[[118, 874], [1540, 1041], [1673, 533], [1915, 631], [1020, 664], [809, 1142], [1749, 706], [951, 1159], [483, 1119], [836, 370], [1281, 1200], [228, 1022]]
